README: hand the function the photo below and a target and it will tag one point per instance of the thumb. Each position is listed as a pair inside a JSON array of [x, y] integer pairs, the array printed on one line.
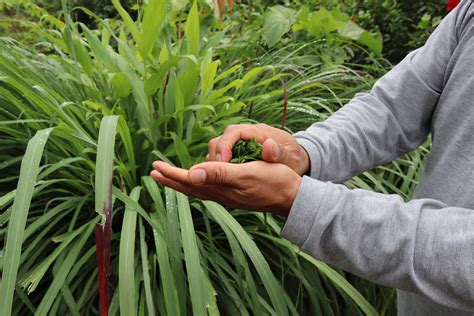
[[273, 152], [217, 173]]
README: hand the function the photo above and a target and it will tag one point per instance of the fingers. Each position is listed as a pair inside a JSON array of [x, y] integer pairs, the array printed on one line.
[[170, 172], [233, 133], [211, 148], [210, 173], [273, 152], [185, 189], [216, 173], [158, 176]]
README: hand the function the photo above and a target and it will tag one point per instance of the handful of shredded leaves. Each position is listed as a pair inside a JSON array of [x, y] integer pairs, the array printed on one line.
[[245, 151]]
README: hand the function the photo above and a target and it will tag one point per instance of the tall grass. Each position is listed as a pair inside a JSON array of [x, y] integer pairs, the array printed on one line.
[[164, 96]]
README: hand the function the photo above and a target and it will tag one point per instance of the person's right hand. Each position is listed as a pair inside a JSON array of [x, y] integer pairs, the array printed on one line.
[[277, 145]]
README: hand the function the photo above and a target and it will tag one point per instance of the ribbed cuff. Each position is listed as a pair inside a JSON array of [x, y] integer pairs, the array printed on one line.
[[313, 153], [308, 202]]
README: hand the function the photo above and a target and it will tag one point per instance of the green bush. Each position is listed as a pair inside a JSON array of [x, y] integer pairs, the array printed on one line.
[[405, 25]]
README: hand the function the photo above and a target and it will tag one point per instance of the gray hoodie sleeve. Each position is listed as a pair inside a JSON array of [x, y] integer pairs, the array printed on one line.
[[422, 246]]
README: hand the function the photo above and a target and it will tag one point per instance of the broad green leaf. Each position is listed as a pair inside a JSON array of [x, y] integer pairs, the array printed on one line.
[[188, 79], [182, 151], [192, 30], [28, 172], [121, 85], [323, 22], [128, 300], [351, 30], [82, 56], [278, 22], [164, 54], [104, 163], [373, 41], [127, 19], [207, 77], [155, 14]]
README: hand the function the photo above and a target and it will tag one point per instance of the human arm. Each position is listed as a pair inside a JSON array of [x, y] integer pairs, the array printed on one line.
[[422, 246]]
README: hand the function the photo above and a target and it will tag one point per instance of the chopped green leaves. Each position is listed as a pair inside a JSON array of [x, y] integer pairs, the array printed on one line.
[[245, 151]]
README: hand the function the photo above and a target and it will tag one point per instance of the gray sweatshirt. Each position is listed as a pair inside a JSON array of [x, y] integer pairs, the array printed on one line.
[[424, 247]]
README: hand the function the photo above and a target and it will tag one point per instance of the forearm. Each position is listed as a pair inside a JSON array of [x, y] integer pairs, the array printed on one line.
[[422, 246], [368, 131]]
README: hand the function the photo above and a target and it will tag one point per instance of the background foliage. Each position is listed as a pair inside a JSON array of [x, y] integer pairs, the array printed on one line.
[[86, 87]]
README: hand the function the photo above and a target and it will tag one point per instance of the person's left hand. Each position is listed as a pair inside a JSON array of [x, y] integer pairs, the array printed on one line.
[[258, 185]]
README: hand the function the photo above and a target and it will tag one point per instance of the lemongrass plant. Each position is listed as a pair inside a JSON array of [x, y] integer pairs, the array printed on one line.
[[85, 230]]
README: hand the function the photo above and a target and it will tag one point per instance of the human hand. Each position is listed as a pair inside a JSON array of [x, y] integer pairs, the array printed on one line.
[[277, 145], [257, 185]]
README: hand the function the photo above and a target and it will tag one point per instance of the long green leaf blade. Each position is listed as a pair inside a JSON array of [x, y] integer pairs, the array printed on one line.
[[126, 19], [192, 30], [28, 172], [155, 14], [128, 301], [191, 257], [271, 284], [145, 269], [105, 158]]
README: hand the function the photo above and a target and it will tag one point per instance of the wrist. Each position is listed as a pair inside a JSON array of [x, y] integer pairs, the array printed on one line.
[[290, 195], [304, 165]]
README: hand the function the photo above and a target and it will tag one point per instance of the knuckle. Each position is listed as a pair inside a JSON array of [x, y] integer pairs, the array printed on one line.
[[231, 128], [220, 176], [212, 142]]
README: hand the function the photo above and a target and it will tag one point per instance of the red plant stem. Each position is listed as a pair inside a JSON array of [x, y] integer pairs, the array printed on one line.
[[100, 236], [179, 32], [103, 234], [285, 103], [167, 80]]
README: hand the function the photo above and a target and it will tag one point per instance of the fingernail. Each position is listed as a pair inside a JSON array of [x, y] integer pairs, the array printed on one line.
[[276, 150], [197, 176], [218, 157]]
